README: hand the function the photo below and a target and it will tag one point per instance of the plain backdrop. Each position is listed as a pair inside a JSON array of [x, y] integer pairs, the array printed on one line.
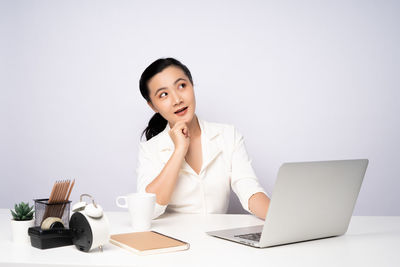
[[301, 80]]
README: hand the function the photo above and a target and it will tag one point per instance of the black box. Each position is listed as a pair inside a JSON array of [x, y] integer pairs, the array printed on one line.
[[51, 238]]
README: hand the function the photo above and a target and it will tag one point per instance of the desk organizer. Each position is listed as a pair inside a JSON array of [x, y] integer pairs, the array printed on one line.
[[56, 232], [44, 209]]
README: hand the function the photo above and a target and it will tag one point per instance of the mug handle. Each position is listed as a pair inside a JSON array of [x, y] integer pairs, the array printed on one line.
[[125, 205]]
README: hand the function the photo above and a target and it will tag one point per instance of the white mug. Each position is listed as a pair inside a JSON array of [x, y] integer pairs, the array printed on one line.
[[141, 209]]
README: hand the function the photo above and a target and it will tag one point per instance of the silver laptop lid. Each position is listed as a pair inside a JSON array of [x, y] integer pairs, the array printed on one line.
[[312, 200]]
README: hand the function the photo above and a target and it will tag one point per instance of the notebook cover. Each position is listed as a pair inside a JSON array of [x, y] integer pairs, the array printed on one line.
[[150, 242]]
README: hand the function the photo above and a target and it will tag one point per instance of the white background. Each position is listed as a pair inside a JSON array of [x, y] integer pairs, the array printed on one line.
[[301, 80]]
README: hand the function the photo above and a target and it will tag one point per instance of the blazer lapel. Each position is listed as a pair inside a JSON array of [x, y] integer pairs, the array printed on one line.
[[165, 145], [210, 143]]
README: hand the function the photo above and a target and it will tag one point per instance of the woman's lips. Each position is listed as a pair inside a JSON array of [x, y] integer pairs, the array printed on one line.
[[181, 111]]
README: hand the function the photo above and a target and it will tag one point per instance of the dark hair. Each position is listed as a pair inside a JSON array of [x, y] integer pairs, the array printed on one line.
[[157, 123]]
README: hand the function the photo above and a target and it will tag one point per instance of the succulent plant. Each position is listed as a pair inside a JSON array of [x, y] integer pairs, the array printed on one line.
[[22, 212]]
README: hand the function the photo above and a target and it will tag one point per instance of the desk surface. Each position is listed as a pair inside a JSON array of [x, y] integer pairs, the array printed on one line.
[[369, 241]]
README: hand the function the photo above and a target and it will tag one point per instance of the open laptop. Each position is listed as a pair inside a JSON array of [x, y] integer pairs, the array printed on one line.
[[310, 200]]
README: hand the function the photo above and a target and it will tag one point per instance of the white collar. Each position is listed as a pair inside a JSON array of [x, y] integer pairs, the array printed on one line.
[[210, 145], [166, 143]]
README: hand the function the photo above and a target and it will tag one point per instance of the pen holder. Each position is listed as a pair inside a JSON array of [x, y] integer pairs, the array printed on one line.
[[44, 209]]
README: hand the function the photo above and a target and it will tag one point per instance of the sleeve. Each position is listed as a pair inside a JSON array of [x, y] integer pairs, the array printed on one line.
[[147, 170], [243, 179]]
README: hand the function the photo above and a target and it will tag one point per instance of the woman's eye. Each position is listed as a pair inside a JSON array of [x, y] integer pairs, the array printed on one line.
[[163, 94], [182, 85]]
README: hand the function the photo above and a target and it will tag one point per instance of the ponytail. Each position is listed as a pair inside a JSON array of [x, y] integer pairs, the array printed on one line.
[[156, 125]]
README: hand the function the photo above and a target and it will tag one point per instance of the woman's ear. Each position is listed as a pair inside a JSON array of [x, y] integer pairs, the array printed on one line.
[[152, 106]]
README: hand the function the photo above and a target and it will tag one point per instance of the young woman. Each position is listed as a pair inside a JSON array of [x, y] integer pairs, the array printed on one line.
[[191, 164]]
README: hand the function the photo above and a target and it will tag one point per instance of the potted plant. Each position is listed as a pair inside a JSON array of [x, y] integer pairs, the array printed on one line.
[[22, 220]]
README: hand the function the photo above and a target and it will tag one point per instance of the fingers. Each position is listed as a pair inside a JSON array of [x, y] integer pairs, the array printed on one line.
[[185, 131], [180, 136], [181, 127]]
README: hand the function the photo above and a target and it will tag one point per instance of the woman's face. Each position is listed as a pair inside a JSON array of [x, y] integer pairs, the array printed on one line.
[[171, 94]]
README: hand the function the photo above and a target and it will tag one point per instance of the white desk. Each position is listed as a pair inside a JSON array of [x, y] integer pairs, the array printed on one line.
[[370, 241]]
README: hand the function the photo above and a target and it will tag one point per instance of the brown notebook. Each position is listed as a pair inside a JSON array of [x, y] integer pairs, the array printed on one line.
[[145, 243]]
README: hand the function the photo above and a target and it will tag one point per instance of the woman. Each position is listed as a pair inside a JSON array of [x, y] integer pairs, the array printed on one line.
[[190, 164]]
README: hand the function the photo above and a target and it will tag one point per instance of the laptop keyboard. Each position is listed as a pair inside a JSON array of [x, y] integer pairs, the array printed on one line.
[[252, 236]]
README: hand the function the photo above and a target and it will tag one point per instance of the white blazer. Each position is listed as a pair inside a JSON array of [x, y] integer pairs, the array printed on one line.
[[225, 165]]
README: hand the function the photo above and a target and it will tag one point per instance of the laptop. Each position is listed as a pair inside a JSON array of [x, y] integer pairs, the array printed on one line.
[[310, 200]]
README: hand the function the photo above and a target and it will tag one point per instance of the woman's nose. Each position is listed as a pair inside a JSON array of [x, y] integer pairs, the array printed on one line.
[[177, 98]]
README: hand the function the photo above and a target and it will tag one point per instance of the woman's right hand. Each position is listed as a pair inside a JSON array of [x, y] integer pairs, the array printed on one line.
[[180, 136]]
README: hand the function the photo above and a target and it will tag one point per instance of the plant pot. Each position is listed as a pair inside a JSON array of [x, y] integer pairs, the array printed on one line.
[[19, 231]]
